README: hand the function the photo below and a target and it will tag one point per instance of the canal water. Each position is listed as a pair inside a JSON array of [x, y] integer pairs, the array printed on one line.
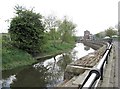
[[47, 73]]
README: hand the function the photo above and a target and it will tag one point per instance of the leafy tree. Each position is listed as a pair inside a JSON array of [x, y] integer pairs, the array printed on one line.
[[27, 31], [100, 35], [51, 25], [110, 32], [66, 30], [50, 22], [97, 35]]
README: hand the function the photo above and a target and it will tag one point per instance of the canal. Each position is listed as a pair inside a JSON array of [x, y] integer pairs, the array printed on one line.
[[47, 73]]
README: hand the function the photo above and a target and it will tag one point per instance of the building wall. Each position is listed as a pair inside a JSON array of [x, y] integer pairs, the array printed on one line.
[[86, 35]]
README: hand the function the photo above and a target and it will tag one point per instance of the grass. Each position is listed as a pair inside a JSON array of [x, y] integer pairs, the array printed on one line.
[[13, 57], [51, 48]]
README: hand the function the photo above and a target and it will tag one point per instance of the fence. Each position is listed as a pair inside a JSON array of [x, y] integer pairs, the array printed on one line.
[[96, 73]]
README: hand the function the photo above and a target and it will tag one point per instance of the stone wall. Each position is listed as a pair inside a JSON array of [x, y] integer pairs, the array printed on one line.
[[84, 63], [78, 70], [94, 44]]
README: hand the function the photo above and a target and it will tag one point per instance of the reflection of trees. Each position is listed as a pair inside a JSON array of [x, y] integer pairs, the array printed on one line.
[[73, 54], [54, 63], [56, 69], [65, 61], [7, 73], [86, 48], [55, 73], [32, 77], [41, 76]]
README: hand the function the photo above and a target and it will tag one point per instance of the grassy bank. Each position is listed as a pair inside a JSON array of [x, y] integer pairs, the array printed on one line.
[[53, 50], [13, 57], [58, 46]]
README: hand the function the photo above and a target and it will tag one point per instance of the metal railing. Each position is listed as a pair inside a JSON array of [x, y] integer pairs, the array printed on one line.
[[96, 73]]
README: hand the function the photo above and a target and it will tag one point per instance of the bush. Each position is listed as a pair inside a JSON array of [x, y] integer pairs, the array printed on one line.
[[27, 31]]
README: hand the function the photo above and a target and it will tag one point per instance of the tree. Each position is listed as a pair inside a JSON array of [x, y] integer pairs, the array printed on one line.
[[27, 31], [100, 35], [52, 24], [66, 30], [97, 35], [110, 32]]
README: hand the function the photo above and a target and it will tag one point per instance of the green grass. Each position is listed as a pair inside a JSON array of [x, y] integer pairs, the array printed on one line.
[[50, 48], [13, 57]]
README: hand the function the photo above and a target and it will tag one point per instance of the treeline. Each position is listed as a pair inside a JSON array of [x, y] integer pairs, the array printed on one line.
[[110, 32], [34, 33]]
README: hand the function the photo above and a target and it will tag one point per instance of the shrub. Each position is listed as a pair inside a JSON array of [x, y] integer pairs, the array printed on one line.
[[27, 31]]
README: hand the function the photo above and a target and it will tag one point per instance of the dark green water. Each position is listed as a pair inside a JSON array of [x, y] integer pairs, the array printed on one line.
[[47, 73]]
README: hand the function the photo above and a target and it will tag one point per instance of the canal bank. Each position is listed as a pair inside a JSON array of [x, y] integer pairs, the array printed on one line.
[[47, 73], [13, 57], [94, 44], [76, 72]]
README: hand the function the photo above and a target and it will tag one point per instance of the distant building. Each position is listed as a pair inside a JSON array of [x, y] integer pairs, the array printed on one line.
[[92, 37], [86, 35]]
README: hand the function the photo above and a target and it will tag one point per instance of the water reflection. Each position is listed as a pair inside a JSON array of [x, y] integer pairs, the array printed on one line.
[[79, 51], [8, 81], [66, 60], [86, 48], [32, 77], [55, 71], [47, 73]]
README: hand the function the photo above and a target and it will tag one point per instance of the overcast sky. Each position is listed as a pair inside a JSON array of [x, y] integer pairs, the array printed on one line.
[[92, 15]]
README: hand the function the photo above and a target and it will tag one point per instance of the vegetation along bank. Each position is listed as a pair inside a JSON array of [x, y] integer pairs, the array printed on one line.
[[30, 35]]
